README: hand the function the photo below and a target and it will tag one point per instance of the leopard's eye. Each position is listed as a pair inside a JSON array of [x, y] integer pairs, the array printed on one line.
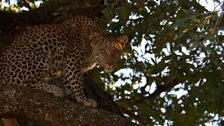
[[117, 51]]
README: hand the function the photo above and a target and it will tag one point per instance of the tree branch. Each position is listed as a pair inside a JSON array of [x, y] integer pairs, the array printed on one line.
[[47, 110], [48, 12], [158, 91], [26, 4]]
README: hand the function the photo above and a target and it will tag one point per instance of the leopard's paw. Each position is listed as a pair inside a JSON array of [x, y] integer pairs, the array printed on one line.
[[90, 103], [57, 92]]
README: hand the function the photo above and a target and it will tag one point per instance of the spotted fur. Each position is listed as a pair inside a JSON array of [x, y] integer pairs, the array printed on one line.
[[60, 50]]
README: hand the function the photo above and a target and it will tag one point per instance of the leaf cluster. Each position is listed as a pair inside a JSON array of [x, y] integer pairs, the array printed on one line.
[[172, 70]]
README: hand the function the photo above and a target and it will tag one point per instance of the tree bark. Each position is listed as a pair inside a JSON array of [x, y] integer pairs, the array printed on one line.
[[47, 110]]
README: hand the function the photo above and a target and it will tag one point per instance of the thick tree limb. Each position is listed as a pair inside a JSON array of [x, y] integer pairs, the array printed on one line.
[[47, 110], [47, 13]]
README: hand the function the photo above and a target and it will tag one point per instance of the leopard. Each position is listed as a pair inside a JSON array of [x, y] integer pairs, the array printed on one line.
[[67, 50]]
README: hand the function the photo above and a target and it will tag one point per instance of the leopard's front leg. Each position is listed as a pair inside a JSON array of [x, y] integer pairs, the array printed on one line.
[[73, 83]]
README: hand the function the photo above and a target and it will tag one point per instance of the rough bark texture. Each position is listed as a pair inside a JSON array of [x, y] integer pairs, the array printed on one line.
[[34, 105]]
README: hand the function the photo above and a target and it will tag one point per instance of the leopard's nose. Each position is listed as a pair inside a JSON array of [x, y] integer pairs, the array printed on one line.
[[108, 68]]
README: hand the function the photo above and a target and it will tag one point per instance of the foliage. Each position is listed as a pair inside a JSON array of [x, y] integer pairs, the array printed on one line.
[[22, 5], [172, 70]]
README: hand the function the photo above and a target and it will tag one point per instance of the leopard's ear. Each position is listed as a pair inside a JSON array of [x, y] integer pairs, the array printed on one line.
[[121, 42]]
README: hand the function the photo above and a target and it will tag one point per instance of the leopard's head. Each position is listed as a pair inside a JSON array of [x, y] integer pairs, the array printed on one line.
[[107, 50]]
